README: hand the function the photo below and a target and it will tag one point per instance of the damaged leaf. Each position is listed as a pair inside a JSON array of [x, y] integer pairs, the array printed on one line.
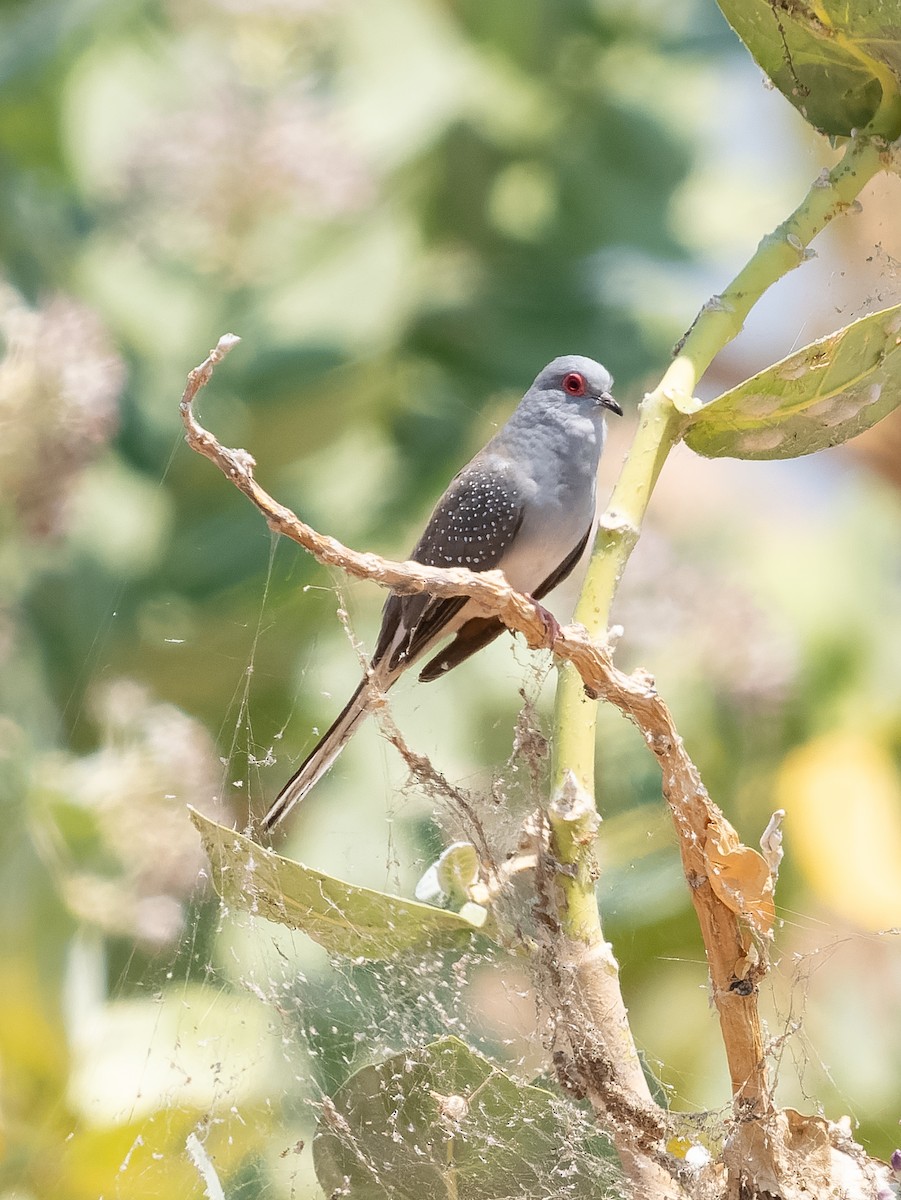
[[821, 396], [839, 64]]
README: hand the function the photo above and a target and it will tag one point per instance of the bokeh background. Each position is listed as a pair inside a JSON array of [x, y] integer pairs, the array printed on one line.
[[404, 209]]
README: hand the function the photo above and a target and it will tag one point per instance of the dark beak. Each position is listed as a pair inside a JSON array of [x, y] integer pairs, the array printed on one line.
[[607, 401]]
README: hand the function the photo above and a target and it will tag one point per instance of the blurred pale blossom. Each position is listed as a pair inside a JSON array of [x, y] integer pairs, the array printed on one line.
[[728, 637], [204, 181], [285, 10], [128, 799], [60, 381]]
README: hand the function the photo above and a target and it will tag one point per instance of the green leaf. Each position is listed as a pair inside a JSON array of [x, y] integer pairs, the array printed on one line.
[[443, 1121], [346, 919], [839, 64], [820, 396]]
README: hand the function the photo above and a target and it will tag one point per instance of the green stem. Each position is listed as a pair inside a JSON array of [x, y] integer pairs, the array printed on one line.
[[663, 416], [660, 427], [574, 823], [783, 249]]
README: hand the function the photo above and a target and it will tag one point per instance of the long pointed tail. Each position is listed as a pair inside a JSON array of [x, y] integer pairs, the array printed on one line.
[[321, 757]]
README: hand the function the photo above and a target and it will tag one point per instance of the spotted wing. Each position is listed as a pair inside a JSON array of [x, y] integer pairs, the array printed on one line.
[[473, 525], [479, 631]]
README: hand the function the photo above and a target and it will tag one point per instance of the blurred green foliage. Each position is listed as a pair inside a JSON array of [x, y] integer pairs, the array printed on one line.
[[404, 209]]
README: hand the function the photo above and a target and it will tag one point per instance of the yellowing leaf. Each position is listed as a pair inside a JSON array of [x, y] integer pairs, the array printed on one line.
[[32, 1039], [146, 1159], [842, 797]]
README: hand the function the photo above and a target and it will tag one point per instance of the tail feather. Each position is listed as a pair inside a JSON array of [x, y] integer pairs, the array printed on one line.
[[476, 633], [321, 757]]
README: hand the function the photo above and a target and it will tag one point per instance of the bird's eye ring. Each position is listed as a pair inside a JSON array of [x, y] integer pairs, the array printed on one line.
[[574, 383]]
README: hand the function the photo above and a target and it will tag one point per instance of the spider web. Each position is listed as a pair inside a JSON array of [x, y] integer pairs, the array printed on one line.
[[240, 1039], [213, 1063], [204, 1067]]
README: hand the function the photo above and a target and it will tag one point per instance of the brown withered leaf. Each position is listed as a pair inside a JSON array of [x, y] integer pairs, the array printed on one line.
[[739, 876]]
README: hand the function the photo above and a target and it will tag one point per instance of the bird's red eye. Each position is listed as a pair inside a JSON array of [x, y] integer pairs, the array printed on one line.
[[574, 383]]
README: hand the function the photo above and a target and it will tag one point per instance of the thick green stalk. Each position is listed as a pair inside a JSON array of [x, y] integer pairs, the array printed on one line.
[[663, 416], [592, 1006], [660, 426]]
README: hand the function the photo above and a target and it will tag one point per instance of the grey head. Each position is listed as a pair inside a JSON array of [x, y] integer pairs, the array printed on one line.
[[560, 419], [578, 383]]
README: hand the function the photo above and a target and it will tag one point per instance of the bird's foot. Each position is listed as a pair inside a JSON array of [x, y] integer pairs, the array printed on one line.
[[548, 620]]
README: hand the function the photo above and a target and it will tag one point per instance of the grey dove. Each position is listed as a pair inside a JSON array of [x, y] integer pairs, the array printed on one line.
[[525, 504]]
